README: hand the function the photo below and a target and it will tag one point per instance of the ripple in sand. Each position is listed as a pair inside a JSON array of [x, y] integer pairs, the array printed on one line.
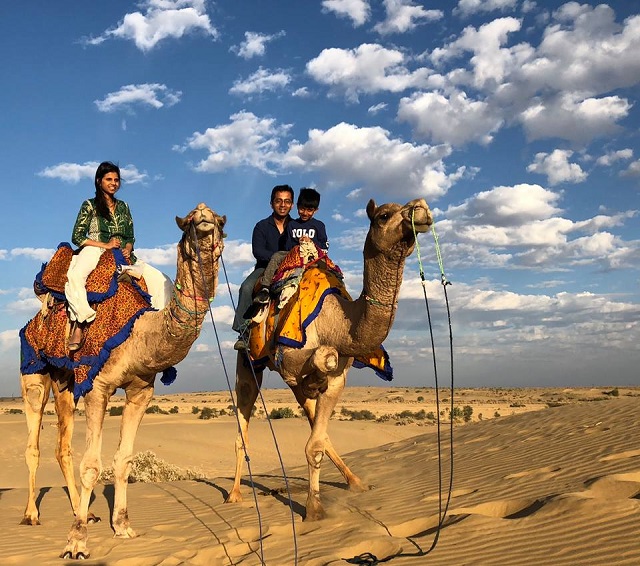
[[455, 493], [545, 472], [621, 455]]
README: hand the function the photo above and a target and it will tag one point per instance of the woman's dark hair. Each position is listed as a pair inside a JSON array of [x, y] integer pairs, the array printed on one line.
[[101, 204]]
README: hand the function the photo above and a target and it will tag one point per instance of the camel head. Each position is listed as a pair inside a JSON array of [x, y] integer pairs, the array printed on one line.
[[208, 228], [392, 226]]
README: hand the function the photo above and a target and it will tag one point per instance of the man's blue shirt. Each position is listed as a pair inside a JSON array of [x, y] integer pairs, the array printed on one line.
[[267, 240]]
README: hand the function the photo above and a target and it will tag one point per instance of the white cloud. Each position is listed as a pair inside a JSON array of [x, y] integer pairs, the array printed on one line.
[[75, 172], [154, 95], [572, 118], [40, 254], [358, 11], [9, 339], [452, 119], [376, 108], [491, 62], [346, 154], [612, 157], [162, 255], [633, 170], [469, 7], [254, 44], [368, 68], [162, 19], [246, 141], [260, 81], [556, 167], [403, 16]]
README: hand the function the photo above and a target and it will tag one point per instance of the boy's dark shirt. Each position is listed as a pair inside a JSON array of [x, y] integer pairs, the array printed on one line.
[[313, 228], [267, 240]]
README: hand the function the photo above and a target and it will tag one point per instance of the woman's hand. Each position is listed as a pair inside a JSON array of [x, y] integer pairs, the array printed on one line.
[[112, 243]]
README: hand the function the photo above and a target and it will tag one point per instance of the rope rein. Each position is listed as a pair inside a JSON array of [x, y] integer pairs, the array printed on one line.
[[244, 446], [367, 558]]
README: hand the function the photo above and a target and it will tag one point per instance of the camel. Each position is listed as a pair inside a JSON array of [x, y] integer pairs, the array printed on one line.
[[159, 339], [316, 373]]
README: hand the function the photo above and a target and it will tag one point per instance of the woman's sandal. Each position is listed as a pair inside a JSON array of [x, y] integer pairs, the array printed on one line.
[[76, 336]]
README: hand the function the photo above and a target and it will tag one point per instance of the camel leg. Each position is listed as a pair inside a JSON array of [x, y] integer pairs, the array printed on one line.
[[65, 407], [309, 407], [247, 389], [134, 409], [95, 403], [315, 448], [35, 392]]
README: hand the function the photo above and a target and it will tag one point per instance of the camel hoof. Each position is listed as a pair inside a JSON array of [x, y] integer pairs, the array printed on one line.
[[31, 521], [233, 497], [68, 555], [92, 519]]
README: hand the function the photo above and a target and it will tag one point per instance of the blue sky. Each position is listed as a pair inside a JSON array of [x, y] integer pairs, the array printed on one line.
[[516, 120]]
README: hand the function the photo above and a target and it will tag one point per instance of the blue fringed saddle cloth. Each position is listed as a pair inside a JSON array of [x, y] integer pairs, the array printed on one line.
[[118, 304]]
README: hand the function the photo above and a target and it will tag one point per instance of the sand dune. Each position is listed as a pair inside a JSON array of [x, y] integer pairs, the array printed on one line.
[[558, 485]]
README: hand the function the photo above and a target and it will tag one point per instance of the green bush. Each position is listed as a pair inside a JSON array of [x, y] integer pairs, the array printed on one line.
[[195, 410], [173, 410], [15, 411], [467, 411], [282, 413], [116, 410], [208, 413], [155, 409]]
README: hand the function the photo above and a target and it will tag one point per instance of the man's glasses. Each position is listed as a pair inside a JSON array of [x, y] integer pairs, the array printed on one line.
[[281, 201]]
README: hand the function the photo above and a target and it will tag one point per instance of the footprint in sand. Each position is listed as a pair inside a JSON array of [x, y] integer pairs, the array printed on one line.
[[505, 509], [615, 486]]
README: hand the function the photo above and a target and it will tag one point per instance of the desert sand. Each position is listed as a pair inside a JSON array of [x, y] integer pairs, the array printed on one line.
[[540, 476]]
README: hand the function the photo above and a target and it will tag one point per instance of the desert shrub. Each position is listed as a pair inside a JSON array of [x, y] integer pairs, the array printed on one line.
[[147, 467], [195, 410], [116, 410], [613, 392], [155, 409], [282, 413], [173, 410], [363, 415], [456, 413], [496, 414], [420, 399], [15, 411], [208, 413], [467, 411]]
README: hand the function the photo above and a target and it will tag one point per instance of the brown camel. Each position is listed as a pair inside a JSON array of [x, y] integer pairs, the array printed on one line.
[[343, 330], [158, 340]]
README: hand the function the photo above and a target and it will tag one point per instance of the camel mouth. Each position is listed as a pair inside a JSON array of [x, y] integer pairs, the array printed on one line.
[[419, 218]]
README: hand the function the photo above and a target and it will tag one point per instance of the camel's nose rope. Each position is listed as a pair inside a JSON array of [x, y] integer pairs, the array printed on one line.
[[368, 558], [246, 452]]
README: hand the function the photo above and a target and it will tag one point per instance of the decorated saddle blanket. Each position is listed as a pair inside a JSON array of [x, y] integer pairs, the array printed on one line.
[[43, 341], [287, 326]]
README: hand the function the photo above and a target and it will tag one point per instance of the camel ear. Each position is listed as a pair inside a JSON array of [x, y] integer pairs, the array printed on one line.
[[182, 222], [222, 221], [371, 209]]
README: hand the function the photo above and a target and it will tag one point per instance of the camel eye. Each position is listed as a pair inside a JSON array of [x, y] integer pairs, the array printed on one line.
[[384, 216]]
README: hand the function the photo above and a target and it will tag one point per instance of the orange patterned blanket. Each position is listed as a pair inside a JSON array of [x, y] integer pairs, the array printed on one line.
[[117, 305], [288, 326]]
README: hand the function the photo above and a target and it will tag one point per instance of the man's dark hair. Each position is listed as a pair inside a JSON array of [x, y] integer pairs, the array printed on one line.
[[308, 198], [280, 188]]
